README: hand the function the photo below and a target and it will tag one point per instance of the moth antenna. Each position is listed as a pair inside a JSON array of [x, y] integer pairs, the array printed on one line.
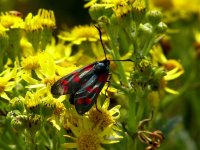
[[100, 35], [124, 60], [104, 49]]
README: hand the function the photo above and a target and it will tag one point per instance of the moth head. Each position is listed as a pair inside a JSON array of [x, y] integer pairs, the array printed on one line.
[[57, 89]]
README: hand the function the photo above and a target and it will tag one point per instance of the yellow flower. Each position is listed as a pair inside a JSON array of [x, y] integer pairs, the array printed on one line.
[[45, 68], [173, 68], [43, 103], [30, 63], [102, 116], [90, 3], [57, 118], [47, 18], [43, 19], [197, 42], [58, 50], [32, 23], [8, 80], [2, 31], [88, 137], [62, 54], [106, 3], [71, 117], [81, 34], [26, 47], [197, 36], [9, 20], [121, 9], [139, 6], [114, 3], [181, 5], [42, 99], [184, 9]]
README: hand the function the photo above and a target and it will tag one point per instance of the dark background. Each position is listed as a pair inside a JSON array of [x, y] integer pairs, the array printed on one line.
[[67, 12]]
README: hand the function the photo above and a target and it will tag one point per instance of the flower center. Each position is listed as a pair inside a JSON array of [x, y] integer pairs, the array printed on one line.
[[49, 81], [88, 141], [103, 117], [2, 88], [171, 64], [30, 63], [8, 20], [2, 85]]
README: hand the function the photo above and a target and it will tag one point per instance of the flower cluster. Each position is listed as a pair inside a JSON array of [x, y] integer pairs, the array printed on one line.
[[32, 60], [27, 78]]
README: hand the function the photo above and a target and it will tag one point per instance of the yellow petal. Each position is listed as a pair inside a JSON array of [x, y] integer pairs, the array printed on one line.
[[75, 130], [69, 145], [35, 86], [114, 110], [71, 137], [90, 3], [106, 104], [29, 79], [171, 91], [55, 124], [173, 74], [47, 65], [110, 141], [4, 95]]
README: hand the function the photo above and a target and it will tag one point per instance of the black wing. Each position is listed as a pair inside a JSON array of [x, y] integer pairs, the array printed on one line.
[[72, 82], [85, 97]]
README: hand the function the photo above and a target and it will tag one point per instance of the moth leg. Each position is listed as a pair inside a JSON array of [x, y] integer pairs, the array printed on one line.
[[108, 81], [98, 108], [71, 99]]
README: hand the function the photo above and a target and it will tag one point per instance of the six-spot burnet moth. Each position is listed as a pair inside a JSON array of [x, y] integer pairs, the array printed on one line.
[[84, 84]]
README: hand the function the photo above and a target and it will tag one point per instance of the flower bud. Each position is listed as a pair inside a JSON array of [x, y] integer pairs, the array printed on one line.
[[12, 114], [33, 123], [18, 104], [47, 108], [159, 73], [144, 29], [154, 17], [138, 10], [18, 123], [98, 10], [161, 28]]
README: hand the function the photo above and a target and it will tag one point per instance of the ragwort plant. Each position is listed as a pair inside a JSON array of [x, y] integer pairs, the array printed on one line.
[[31, 60]]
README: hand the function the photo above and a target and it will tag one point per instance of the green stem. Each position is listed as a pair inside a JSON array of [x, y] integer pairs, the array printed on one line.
[[1, 62], [148, 45], [132, 118], [141, 107], [120, 67], [115, 53], [30, 143]]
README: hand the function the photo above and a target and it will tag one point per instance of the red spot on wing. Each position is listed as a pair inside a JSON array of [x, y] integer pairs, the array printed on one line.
[[80, 101], [88, 100], [65, 89], [87, 68], [76, 79], [96, 90], [64, 82], [89, 89], [102, 78], [75, 73], [92, 89]]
